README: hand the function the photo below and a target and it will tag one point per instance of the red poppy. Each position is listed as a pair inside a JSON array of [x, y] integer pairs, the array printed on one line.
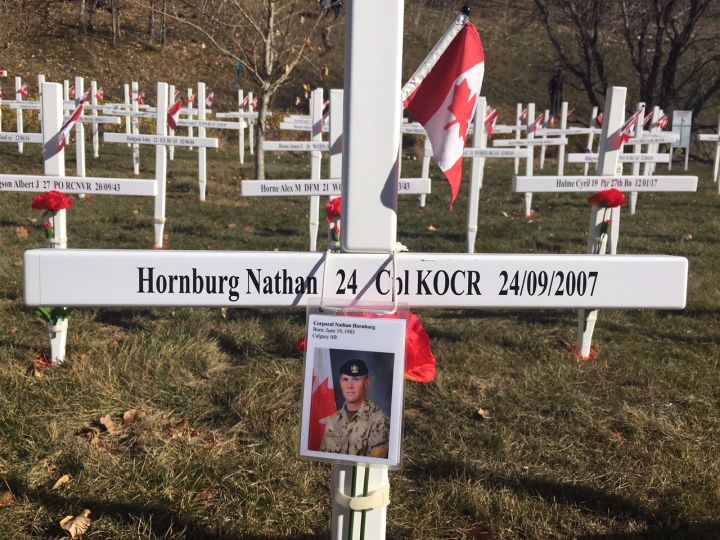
[[301, 345], [52, 201], [608, 198], [334, 209]]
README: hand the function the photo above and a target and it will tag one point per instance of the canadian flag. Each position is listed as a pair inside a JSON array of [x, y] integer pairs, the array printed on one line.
[[191, 100], [648, 118], [210, 100], [177, 93], [552, 121], [523, 115], [537, 123], [100, 94], [571, 112], [599, 119], [71, 91], [322, 398], [3, 72], [173, 114], [442, 95], [2, 95], [627, 129], [254, 104], [23, 91], [141, 97], [662, 122], [245, 101], [65, 131]]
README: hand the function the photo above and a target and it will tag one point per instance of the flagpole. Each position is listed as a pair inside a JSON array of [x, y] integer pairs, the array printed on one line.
[[437, 51]]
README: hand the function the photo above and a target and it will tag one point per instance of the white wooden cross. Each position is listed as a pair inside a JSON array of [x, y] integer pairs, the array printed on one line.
[[161, 138], [369, 177], [241, 115], [714, 137], [608, 166]]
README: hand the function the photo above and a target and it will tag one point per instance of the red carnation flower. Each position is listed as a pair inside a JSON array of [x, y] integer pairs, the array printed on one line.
[[608, 198], [334, 209], [52, 201]]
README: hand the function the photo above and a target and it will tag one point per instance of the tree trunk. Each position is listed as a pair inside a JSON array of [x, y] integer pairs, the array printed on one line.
[[81, 16], [151, 23], [115, 8], [163, 23], [91, 15], [263, 108]]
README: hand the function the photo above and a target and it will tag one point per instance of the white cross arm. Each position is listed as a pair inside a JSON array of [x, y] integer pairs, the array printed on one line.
[[55, 277], [21, 137], [575, 184], [165, 140], [301, 126], [588, 157], [238, 114], [32, 105], [289, 188], [78, 184], [567, 131], [709, 137], [530, 142], [504, 128], [134, 114], [297, 146]]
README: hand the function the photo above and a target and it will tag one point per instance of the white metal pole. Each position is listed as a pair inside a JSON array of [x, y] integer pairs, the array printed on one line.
[[637, 149], [128, 118], [170, 101], [529, 163], [18, 97], [95, 127], [591, 136], [135, 95], [518, 131], [545, 124], [425, 172], [79, 130], [476, 177], [371, 171], [241, 131], [251, 125], [202, 152], [316, 106], [160, 164], [563, 127]]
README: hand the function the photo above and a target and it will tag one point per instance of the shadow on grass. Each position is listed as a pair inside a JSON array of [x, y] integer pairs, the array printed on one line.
[[589, 499], [162, 520], [128, 319]]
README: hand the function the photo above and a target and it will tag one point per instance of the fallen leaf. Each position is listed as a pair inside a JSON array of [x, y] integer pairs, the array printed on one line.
[[232, 225], [205, 495], [504, 214], [688, 237], [60, 482], [21, 232], [483, 414], [132, 416], [413, 414], [6, 499], [432, 228], [108, 424], [76, 525]]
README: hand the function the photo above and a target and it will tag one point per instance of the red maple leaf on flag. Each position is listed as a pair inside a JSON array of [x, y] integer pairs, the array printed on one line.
[[462, 107]]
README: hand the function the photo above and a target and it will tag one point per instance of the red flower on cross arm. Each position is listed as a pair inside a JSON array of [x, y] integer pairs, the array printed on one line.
[[52, 201], [608, 198], [334, 209]]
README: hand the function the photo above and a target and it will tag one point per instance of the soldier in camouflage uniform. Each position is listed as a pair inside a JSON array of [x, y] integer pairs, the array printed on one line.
[[360, 427]]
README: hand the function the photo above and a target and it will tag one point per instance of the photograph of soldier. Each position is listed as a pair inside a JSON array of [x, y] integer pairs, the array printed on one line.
[[359, 427]]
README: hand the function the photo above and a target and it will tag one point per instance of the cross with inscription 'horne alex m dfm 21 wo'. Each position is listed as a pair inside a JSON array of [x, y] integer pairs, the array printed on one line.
[[365, 272]]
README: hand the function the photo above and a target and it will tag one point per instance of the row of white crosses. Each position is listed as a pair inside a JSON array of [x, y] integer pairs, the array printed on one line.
[[369, 187], [609, 175], [316, 124]]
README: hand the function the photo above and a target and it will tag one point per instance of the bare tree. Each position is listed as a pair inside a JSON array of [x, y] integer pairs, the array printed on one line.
[[269, 37], [672, 46]]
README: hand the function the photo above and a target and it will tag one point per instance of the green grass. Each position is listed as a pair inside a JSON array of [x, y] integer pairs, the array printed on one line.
[[621, 447]]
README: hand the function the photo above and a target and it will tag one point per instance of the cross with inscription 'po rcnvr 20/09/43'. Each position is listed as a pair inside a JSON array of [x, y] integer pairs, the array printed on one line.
[[368, 269]]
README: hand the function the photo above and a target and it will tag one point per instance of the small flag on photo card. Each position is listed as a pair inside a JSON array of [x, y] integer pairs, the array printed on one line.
[[442, 95], [322, 398], [173, 114]]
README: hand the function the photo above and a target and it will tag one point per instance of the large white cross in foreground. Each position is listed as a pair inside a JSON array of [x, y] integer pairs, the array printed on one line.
[[370, 185]]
